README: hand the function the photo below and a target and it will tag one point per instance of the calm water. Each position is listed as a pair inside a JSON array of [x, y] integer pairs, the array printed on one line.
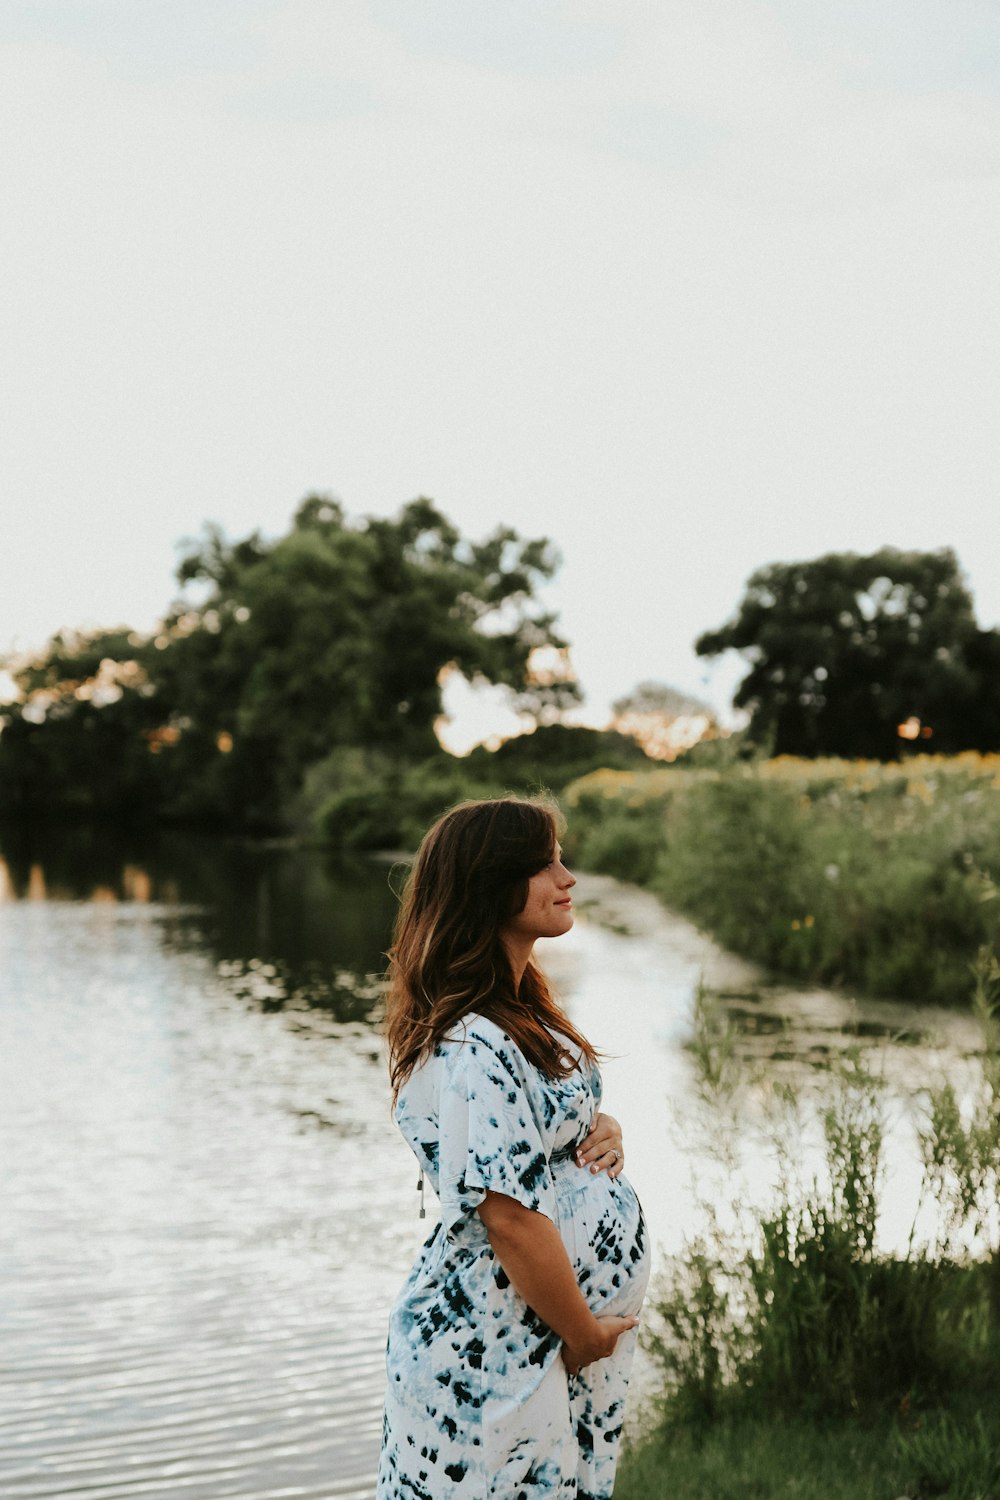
[[205, 1208]]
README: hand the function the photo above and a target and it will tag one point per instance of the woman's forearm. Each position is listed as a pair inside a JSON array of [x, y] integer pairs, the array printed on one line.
[[531, 1251]]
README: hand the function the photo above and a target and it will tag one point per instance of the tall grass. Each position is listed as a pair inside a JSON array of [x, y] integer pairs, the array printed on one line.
[[960, 1143], [796, 1319], [808, 1316], [881, 876]]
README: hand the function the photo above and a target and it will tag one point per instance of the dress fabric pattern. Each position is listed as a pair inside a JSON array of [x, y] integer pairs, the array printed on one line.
[[479, 1403]]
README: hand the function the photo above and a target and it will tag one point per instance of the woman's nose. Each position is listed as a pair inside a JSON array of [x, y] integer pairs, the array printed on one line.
[[568, 878]]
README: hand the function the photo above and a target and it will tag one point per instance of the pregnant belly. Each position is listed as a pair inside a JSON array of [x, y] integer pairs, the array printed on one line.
[[604, 1232]]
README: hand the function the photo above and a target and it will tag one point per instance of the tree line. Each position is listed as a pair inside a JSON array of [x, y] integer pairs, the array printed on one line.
[[305, 672], [279, 653], [863, 656]]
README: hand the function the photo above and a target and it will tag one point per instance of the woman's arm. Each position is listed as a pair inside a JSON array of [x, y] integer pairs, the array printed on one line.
[[529, 1247]]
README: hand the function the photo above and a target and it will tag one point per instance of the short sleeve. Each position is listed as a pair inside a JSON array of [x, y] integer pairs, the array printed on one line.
[[489, 1141]]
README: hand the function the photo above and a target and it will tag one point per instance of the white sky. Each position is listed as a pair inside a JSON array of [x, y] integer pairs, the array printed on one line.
[[689, 286]]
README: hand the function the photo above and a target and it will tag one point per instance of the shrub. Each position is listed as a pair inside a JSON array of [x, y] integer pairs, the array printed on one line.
[[885, 877], [738, 858], [627, 845]]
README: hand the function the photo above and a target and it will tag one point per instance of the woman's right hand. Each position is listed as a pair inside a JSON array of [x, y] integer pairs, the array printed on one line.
[[599, 1343]]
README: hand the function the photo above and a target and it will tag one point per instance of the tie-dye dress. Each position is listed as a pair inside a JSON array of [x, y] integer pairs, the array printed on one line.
[[478, 1402]]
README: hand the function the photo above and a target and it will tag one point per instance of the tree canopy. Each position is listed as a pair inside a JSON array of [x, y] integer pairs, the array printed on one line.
[[337, 633], [854, 656]]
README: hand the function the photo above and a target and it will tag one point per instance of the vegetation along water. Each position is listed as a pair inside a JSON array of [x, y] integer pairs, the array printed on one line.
[[800, 1356], [293, 689], [851, 872]]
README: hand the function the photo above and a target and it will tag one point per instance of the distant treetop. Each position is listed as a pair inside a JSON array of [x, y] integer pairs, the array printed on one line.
[[858, 656]]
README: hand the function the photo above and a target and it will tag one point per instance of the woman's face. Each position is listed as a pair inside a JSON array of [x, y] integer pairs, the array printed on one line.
[[548, 909]]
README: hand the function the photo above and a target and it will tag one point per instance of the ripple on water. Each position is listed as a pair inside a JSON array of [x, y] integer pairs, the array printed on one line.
[[195, 1275]]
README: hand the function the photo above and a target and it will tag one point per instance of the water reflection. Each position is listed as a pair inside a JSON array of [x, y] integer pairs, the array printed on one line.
[[347, 994], [196, 1163], [286, 927]]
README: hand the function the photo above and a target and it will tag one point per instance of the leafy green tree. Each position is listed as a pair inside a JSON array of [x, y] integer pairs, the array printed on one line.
[[336, 634], [844, 650], [983, 717], [85, 730]]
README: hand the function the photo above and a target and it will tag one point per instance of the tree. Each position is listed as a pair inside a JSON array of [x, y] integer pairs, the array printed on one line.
[[336, 634], [84, 731], [662, 720], [845, 650]]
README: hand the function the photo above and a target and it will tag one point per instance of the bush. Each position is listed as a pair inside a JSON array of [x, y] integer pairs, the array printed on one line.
[[738, 858], [848, 873], [553, 755], [358, 798], [627, 846]]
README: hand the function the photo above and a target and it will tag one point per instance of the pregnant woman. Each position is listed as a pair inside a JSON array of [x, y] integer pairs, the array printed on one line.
[[511, 1341]]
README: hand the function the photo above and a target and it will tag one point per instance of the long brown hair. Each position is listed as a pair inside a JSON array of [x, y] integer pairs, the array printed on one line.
[[448, 958]]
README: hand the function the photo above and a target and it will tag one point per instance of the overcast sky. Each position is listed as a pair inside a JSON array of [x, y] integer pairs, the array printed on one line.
[[689, 286]]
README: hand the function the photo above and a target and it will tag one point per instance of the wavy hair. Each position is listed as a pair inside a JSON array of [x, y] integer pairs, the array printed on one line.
[[448, 958]]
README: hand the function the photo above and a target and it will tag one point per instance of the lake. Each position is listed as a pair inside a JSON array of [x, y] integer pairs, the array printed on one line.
[[206, 1207]]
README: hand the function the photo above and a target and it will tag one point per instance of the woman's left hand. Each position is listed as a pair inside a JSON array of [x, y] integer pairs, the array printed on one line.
[[601, 1150]]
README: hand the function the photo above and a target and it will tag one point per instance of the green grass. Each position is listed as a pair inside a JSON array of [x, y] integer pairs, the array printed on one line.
[[954, 1455], [760, 1459]]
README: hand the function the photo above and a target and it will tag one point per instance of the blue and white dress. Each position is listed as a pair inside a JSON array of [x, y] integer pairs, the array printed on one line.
[[478, 1402]]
